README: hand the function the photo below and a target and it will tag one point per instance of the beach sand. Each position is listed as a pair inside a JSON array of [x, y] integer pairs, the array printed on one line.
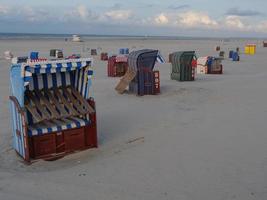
[[201, 140]]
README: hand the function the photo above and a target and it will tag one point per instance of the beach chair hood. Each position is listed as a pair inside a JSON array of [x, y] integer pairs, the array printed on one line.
[[141, 59], [180, 61], [23, 76]]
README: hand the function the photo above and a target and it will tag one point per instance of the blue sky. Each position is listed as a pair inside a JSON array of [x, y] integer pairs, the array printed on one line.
[[244, 18]]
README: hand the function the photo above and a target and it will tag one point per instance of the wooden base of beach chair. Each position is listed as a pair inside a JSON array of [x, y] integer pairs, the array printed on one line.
[[58, 144]]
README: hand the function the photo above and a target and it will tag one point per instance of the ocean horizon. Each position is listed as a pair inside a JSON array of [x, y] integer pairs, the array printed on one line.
[[51, 36]]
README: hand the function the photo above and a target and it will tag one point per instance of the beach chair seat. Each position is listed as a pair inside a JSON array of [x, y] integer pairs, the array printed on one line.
[[58, 125]]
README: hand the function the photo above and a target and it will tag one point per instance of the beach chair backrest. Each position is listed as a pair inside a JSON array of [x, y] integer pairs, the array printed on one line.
[[141, 59], [74, 73]]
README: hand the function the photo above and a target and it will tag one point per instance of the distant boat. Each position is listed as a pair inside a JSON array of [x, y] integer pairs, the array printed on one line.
[[76, 38]]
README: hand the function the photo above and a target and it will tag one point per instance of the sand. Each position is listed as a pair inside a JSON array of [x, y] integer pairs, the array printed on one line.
[[196, 140]]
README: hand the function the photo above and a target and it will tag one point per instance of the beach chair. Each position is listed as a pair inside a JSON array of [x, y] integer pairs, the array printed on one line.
[[104, 56], [123, 51], [215, 65], [182, 66], [53, 112], [222, 54], [140, 77], [236, 57], [57, 53], [93, 52], [250, 49], [202, 65], [117, 66]]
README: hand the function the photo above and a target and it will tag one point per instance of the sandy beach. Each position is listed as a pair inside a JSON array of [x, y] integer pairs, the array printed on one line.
[[201, 140]]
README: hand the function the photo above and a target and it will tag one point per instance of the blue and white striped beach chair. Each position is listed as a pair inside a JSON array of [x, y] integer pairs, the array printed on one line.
[[53, 112]]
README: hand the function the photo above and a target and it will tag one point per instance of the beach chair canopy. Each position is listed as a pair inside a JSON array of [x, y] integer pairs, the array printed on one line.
[[49, 74], [181, 58], [182, 65], [141, 59], [33, 78]]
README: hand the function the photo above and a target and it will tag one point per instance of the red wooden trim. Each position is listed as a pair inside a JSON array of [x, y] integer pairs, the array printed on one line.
[[94, 120]]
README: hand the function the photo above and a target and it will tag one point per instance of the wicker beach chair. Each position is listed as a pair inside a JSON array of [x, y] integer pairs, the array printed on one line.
[[53, 112]]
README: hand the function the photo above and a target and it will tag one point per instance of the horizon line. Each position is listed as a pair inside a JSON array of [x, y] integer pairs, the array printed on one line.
[[143, 36]]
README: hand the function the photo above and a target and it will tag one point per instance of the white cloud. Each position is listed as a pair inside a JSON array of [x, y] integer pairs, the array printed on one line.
[[196, 19], [82, 11], [82, 15], [161, 19], [119, 14], [189, 19], [234, 22]]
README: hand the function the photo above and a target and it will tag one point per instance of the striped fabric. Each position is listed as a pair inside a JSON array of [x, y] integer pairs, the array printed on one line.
[[144, 58], [53, 74], [18, 139], [57, 125], [61, 73], [160, 59], [77, 79], [50, 67]]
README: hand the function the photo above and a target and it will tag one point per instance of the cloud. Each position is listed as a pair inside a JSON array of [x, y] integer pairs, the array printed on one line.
[[4, 10], [34, 14], [83, 12], [262, 27], [82, 16], [234, 22], [161, 19], [196, 19], [79, 14], [243, 13], [24, 14], [180, 7], [189, 19], [120, 15]]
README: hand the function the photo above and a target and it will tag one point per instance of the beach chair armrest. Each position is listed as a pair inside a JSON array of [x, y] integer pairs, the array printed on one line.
[[16, 103], [91, 103]]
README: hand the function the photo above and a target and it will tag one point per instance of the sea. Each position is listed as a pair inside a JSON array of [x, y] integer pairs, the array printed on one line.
[[40, 36]]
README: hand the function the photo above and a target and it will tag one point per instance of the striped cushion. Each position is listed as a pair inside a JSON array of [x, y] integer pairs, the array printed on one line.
[[56, 125]]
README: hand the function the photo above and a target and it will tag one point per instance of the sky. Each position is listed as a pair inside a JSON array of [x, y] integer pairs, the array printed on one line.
[[202, 18]]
